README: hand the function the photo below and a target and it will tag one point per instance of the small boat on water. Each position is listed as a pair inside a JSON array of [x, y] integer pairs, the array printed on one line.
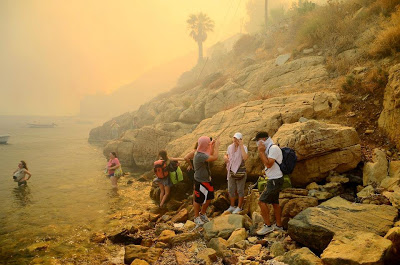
[[4, 138], [42, 125]]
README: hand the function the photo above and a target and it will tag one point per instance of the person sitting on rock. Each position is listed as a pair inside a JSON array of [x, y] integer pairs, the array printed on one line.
[[269, 153], [234, 159], [165, 184], [207, 151]]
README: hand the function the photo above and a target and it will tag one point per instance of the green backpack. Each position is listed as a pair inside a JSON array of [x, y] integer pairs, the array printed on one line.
[[176, 176], [261, 183]]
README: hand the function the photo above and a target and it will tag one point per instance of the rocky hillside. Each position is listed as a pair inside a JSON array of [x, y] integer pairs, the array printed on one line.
[[324, 81], [273, 75]]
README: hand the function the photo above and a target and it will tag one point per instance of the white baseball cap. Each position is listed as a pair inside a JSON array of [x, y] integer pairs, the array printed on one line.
[[238, 135]]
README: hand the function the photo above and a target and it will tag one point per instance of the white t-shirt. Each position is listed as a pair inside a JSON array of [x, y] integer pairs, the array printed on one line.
[[274, 172]]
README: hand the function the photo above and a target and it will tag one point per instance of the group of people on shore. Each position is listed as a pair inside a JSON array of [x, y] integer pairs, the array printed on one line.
[[207, 150]]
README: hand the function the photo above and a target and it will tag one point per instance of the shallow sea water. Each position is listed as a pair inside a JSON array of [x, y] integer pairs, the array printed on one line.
[[67, 199]]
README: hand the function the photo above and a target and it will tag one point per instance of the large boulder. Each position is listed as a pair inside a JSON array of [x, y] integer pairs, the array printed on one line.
[[315, 227], [356, 248], [133, 252], [320, 148], [393, 196], [301, 256], [139, 147], [295, 206], [223, 226], [219, 244], [389, 119], [394, 235], [254, 116], [376, 171]]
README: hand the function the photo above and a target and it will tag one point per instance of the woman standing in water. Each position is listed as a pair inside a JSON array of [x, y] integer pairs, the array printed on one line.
[[20, 172], [112, 165]]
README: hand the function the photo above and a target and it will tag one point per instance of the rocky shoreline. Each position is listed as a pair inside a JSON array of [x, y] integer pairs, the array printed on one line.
[[324, 224]]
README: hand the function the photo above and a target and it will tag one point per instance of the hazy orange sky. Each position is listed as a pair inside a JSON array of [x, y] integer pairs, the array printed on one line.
[[53, 52]]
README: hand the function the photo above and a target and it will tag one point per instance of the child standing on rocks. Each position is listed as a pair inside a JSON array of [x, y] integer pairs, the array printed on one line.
[[207, 151]]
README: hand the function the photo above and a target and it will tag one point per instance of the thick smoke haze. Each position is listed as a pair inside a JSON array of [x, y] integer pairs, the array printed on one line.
[[54, 53]]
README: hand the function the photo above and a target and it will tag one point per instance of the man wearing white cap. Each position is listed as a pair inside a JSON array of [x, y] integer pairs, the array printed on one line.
[[234, 159]]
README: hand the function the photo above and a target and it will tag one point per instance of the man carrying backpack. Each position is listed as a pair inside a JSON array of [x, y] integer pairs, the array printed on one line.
[[270, 154]]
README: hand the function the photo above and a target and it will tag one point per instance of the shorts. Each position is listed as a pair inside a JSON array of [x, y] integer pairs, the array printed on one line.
[[111, 175], [203, 191], [165, 181], [271, 192], [235, 185]]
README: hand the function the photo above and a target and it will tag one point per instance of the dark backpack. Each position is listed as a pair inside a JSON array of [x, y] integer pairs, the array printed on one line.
[[160, 169], [289, 160], [173, 166]]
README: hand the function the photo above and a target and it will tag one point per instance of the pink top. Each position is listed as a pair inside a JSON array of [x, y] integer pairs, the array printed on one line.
[[112, 163]]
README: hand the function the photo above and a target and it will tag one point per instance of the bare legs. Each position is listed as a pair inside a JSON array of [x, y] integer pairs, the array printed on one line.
[[265, 213], [240, 204], [164, 193], [113, 180], [203, 210]]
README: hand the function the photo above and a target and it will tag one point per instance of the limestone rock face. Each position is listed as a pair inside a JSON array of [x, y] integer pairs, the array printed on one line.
[[254, 116], [389, 119], [203, 101], [356, 248], [315, 227], [306, 70], [320, 148], [223, 226], [376, 171], [229, 95], [102, 133], [302, 256], [140, 147]]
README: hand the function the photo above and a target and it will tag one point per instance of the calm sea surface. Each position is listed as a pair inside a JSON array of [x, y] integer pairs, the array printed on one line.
[[67, 199]]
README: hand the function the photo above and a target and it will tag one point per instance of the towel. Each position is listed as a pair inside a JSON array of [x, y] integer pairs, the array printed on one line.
[[268, 143], [204, 145], [235, 158]]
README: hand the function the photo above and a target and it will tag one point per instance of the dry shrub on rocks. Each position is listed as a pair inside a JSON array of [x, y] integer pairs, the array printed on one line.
[[374, 81], [388, 40]]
